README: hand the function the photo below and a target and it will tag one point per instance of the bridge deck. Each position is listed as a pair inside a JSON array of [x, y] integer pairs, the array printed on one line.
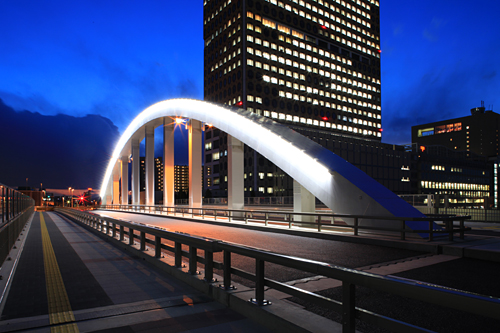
[[69, 279]]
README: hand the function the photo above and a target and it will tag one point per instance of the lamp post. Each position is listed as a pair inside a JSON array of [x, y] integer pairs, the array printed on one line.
[[69, 194]]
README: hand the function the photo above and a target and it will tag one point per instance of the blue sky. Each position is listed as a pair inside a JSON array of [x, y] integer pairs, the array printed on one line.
[[115, 58]]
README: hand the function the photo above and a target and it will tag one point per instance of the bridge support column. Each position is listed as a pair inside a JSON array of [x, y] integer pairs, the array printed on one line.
[[150, 165], [116, 184], [195, 185], [107, 199], [303, 202], [235, 193], [168, 160], [124, 176], [136, 161]]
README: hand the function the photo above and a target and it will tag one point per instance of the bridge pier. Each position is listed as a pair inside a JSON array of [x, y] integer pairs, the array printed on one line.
[[150, 165], [168, 162], [116, 184], [136, 191], [124, 176], [235, 193], [195, 185], [303, 202]]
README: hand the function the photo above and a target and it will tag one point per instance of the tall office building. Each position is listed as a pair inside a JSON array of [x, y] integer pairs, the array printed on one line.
[[312, 65]]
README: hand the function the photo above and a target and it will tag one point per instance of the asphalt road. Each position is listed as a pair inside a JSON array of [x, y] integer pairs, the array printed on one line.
[[332, 252]]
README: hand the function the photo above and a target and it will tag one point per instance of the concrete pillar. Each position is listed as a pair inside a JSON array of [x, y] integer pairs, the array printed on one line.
[[150, 165], [107, 199], [195, 185], [168, 160], [303, 202], [124, 176], [235, 193], [116, 184], [136, 181]]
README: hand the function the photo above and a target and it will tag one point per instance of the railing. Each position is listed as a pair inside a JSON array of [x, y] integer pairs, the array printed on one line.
[[319, 221], [153, 237], [15, 210], [251, 201]]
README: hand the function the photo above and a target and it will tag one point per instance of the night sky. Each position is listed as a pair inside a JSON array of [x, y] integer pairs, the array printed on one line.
[[115, 58]]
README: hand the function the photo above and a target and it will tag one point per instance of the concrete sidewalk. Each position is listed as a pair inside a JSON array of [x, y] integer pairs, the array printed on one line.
[[68, 279]]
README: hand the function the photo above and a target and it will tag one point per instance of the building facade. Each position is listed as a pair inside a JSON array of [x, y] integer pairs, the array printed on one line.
[[465, 179], [477, 133], [311, 65]]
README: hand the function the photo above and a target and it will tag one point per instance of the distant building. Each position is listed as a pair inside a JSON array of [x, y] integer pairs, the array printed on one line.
[[477, 133], [464, 178], [459, 158], [181, 178]]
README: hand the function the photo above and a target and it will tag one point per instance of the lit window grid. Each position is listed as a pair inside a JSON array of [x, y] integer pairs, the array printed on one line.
[[321, 62], [336, 87], [330, 20], [330, 23], [479, 188], [250, 27]]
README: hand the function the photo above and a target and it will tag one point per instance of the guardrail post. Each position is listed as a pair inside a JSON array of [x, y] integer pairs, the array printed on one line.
[[130, 236], [143, 241], [227, 270], [193, 260], [403, 231], [157, 247], [348, 307], [319, 223], [259, 283], [229, 215], [289, 221], [113, 230], [356, 224], [266, 218], [209, 266], [122, 232], [215, 214], [178, 254]]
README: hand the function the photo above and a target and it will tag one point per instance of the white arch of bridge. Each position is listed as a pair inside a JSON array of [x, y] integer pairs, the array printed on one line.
[[342, 187]]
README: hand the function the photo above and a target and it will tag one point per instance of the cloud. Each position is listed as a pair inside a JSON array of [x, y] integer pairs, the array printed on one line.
[[58, 151], [431, 33]]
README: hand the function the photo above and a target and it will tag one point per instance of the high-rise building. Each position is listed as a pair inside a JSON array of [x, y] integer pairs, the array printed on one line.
[[312, 65], [477, 133]]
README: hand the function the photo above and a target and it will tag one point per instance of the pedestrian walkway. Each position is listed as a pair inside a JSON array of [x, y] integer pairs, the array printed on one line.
[[69, 280]]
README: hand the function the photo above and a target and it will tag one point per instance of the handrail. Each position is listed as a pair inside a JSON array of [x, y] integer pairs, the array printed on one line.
[[289, 217], [447, 297], [15, 210], [12, 203]]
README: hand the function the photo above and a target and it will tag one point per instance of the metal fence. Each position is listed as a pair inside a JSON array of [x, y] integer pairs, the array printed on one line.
[[449, 225], [15, 210], [154, 237]]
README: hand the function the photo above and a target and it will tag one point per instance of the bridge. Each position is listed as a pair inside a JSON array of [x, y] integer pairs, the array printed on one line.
[[133, 267], [317, 172]]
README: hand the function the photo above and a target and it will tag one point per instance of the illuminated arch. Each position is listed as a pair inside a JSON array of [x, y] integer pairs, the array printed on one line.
[[342, 187]]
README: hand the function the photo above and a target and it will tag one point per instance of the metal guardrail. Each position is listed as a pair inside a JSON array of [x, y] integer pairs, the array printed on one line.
[[446, 297], [15, 209], [451, 224]]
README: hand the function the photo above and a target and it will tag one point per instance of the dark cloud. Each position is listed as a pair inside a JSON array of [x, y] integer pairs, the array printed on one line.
[[58, 151]]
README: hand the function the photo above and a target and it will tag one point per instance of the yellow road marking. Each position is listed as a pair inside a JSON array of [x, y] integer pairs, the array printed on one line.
[[59, 306]]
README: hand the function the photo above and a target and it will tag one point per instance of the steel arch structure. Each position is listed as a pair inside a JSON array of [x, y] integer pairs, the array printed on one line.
[[342, 187]]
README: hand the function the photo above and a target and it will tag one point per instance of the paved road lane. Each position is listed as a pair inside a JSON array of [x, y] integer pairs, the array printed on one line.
[[329, 251]]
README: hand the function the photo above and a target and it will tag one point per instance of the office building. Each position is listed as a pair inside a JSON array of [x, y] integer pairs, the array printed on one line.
[[465, 179], [477, 133], [311, 65]]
